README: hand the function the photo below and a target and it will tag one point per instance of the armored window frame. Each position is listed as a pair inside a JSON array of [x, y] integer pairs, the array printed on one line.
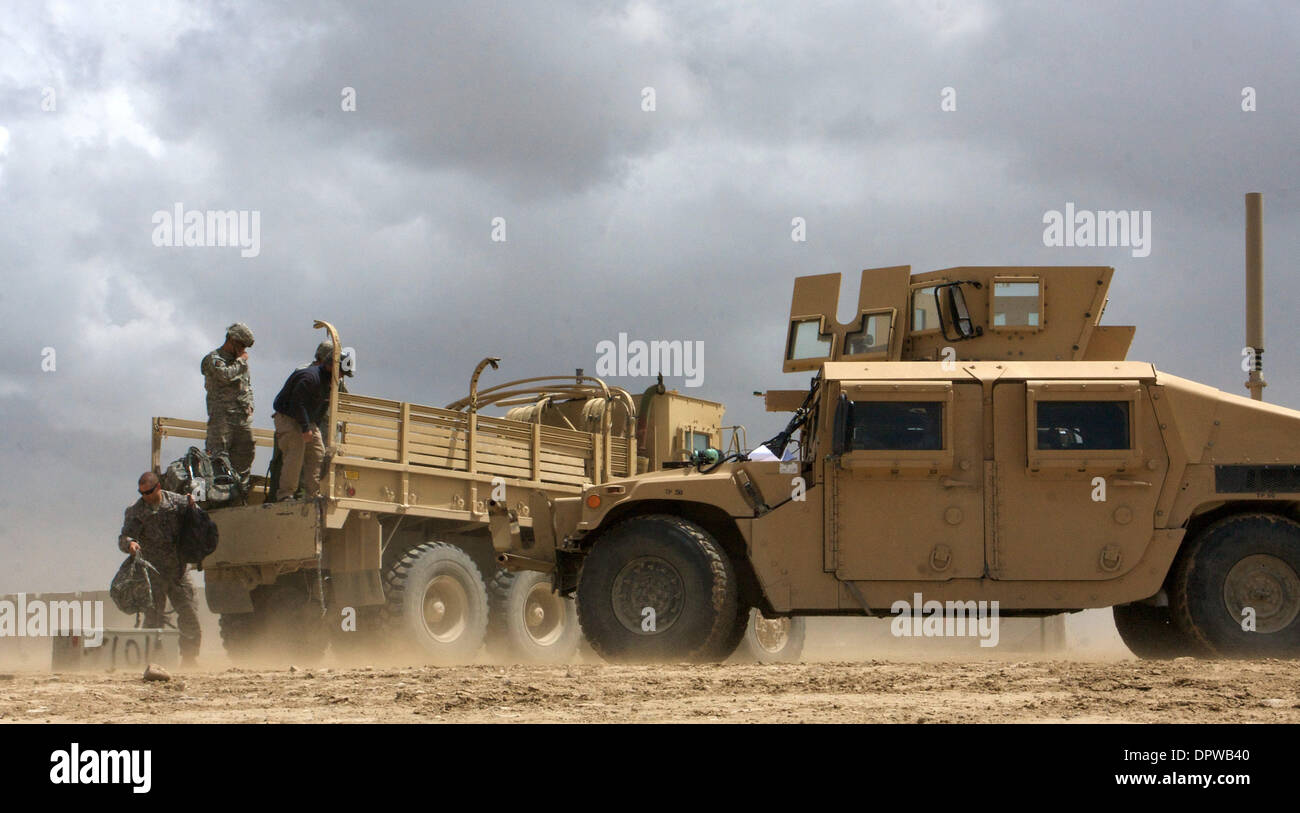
[[823, 334], [1128, 392], [927, 290], [901, 461], [864, 318], [993, 304]]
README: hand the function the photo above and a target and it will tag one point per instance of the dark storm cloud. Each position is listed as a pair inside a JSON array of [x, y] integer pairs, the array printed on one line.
[[672, 225]]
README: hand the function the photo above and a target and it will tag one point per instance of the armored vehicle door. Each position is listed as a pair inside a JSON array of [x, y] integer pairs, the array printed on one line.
[[906, 496], [1078, 468]]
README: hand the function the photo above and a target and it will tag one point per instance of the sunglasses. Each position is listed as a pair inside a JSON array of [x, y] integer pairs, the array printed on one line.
[[156, 486]]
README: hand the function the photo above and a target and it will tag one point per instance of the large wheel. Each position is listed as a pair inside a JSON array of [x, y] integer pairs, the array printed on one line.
[[773, 640], [530, 622], [294, 625], [285, 626], [1150, 632], [238, 632], [1242, 572], [731, 637], [658, 587], [437, 604]]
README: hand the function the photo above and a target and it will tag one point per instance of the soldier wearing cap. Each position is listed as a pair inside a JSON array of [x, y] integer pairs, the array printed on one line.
[[324, 353], [299, 408], [230, 399]]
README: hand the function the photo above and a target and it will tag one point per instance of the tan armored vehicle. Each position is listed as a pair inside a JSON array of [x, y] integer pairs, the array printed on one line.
[[975, 434], [397, 555]]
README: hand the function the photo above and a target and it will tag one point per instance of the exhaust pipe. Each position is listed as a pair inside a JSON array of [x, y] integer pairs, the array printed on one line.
[[1255, 292], [514, 562]]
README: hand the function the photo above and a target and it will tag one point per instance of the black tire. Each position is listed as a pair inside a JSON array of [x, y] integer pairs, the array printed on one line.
[[1150, 633], [657, 588], [293, 624], [285, 626], [1247, 560], [528, 622], [730, 636], [777, 640], [437, 605], [238, 636]]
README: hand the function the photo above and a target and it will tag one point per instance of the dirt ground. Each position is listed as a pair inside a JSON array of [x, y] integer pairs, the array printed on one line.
[[948, 690]]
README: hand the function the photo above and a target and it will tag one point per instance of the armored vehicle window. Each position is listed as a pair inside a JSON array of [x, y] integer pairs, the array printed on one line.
[[925, 309], [872, 338], [1083, 425], [807, 341], [896, 425], [1015, 304]]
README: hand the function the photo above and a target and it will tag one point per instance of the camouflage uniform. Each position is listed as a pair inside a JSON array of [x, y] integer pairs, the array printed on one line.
[[230, 409], [156, 529]]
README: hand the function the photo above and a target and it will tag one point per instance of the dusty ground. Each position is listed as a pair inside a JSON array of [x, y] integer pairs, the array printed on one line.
[[950, 690]]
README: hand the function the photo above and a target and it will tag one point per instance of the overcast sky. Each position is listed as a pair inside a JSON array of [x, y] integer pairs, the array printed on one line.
[[666, 224]]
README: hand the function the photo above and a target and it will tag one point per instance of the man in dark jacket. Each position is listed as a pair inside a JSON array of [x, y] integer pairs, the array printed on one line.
[[301, 400]]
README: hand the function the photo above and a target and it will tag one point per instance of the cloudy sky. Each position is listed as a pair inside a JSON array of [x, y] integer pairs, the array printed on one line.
[[671, 223]]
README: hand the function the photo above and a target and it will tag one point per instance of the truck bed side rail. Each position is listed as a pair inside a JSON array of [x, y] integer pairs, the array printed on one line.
[[412, 434]]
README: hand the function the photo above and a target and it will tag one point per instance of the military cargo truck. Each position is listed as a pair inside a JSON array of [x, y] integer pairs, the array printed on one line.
[[973, 435], [396, 554]]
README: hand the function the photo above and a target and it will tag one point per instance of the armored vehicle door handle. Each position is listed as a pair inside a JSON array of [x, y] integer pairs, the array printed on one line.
[[1121, 482], [949, 482]]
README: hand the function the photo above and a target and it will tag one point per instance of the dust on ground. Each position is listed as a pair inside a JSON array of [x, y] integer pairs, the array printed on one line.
[[930, 691]]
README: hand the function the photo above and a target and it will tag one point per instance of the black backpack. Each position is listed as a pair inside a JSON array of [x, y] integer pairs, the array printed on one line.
[[198, 537], [211, 480]]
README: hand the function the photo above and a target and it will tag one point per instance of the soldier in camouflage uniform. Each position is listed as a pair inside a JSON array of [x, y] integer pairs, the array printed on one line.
[[151, 527], [230, 399]]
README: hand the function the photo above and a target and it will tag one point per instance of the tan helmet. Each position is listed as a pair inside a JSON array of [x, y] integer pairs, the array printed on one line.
[[240, 333]]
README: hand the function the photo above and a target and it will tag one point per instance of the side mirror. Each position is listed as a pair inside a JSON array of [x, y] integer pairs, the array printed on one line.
[[960, 313], [954, 303]]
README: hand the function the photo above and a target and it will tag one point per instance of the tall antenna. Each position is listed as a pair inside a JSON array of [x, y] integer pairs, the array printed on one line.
[[1255, 293]]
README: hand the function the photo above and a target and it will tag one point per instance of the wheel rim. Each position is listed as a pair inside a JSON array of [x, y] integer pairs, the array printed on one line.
[[1268, 585], [773, 634], [445, 609], [544, 614], [648, 582]]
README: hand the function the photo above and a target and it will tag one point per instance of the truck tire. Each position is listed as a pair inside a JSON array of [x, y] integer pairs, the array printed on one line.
[[238, 631], [292, 624], [529, 622], [1150, 633], [772, 640], [729, 637], [437, 604], [285, 626], [658, 587], [1247, 561]]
